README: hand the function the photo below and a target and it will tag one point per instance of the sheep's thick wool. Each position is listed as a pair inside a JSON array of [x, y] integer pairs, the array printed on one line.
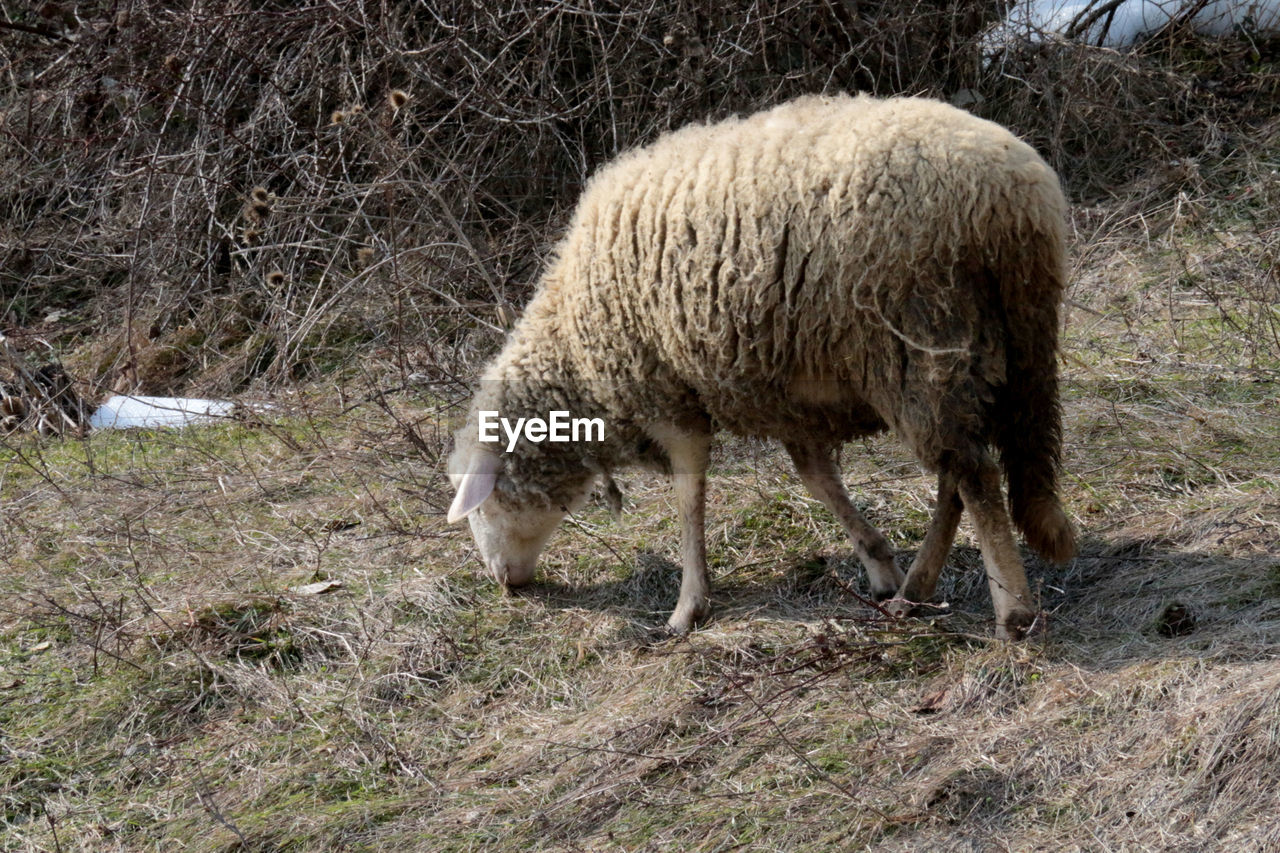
[[832, 266]]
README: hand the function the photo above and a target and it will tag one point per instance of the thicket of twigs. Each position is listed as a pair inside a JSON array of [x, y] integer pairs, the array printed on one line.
[[228, 193], [264, 636]]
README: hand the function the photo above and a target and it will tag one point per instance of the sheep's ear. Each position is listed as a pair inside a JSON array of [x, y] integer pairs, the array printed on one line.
[[476, 486]]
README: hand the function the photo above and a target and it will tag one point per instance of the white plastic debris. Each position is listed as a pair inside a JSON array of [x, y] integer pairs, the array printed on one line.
[[317, 588], [125, 412], [1044, 20]]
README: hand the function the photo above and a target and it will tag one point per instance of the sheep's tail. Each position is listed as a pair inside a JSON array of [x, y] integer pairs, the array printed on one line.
[[1029, 431]]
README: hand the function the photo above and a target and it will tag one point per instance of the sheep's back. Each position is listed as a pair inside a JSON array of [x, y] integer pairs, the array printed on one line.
[[829, 260]]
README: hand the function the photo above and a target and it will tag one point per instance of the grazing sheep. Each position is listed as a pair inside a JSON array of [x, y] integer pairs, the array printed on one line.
[[824, 270]]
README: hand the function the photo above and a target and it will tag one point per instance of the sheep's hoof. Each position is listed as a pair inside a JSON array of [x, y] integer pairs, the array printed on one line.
[[883, 595], [656, 635], [1020, 624], [885, 576], [679, 627], [685, 618]]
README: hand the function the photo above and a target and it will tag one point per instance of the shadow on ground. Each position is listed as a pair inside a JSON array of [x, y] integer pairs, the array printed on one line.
[[1114, 593]]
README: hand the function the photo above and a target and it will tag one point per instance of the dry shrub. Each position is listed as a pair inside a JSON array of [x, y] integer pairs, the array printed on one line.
[[368, 174], [381, 179], [1105, 117]]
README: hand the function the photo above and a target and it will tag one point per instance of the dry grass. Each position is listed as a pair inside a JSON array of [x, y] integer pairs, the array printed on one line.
[[263, 635], [164, 684]]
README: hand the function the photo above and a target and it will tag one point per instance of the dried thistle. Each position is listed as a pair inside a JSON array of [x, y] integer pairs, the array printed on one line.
[[337, 117], [259, 204], [275, 278], [364, 256], [397, 98], [13, 408]]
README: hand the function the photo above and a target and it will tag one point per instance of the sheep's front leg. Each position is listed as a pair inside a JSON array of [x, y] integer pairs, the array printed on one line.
[[816, 464], [1006, 576], [922, 577], [688, 453]]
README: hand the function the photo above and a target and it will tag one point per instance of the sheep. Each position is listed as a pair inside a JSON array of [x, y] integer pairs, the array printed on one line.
[[824, 270]]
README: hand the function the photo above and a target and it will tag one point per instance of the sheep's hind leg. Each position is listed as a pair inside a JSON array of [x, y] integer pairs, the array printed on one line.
[[922, 577], [1010, 595], [817, 467], [688, 453]]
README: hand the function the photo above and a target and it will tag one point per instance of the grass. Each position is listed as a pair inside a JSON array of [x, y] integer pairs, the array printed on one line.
[[262, 635], [171, 678], [193, 699], [165, 686]]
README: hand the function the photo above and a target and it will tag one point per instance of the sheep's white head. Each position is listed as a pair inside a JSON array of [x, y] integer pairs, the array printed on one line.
[[509, 538]]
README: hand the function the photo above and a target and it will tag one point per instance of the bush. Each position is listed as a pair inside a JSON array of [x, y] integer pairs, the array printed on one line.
[[253, 192]]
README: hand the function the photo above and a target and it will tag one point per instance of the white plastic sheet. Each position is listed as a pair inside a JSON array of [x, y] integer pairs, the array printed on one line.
[[1041, 20], [125, 411]]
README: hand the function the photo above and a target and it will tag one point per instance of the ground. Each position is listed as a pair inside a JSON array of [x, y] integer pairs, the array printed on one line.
[[263, 634]]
